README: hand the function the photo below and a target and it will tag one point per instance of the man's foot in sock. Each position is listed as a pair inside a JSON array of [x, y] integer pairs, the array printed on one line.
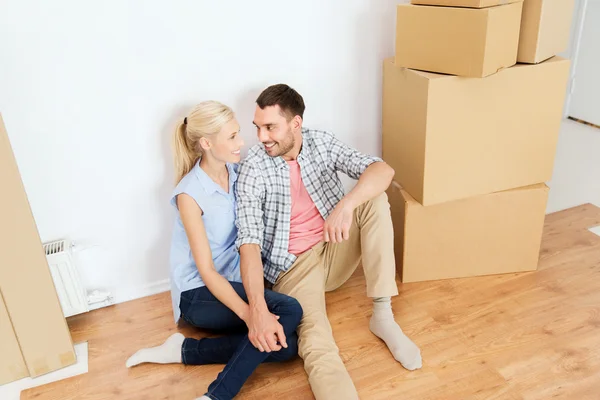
[[384, 326], [203, 398], [167, 353]]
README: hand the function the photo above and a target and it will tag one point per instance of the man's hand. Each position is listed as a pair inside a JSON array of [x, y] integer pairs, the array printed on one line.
[[337, 226], [264, 331]]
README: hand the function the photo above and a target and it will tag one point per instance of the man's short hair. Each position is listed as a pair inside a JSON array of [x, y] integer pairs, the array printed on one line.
[[289, 101]]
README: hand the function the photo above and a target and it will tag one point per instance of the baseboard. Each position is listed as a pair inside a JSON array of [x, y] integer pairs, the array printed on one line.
[[137, 292]]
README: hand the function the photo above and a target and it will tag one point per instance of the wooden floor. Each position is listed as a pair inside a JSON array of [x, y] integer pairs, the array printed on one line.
[[517, 336]]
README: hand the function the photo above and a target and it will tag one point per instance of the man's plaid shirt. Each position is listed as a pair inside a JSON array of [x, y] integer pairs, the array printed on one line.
[[263, 196]]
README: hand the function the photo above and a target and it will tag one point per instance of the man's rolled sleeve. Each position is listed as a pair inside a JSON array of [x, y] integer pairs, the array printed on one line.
[[349, 160], [249, 193]]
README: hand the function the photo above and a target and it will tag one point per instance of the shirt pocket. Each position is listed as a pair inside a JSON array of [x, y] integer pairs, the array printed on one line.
[[331, 185], [219, 215], [221, 205], [219, 222], [222, 209], [327, 176]]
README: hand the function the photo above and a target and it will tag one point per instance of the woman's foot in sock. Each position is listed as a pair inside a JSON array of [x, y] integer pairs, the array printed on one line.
[[384, 326], [167, 353]]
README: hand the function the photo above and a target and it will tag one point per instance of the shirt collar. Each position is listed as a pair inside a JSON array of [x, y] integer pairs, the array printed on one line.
[[211, 186], [304, 154], [232, 173]]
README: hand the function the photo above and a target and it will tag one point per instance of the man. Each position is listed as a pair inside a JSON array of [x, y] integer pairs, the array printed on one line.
[[296, 226]]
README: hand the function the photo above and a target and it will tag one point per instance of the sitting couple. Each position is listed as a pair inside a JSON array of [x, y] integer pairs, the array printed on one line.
[[280, 220]]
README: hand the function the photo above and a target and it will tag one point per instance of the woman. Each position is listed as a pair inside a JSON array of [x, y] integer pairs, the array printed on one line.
[[206, 286]]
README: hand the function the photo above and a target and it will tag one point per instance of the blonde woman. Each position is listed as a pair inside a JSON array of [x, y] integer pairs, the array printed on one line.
[[206, 286]]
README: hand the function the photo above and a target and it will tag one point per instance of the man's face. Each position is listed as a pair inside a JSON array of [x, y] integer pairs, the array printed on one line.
[[274, 130]]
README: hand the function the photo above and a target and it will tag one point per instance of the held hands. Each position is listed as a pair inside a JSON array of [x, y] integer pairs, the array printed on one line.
[[337, 226], [264, 332]]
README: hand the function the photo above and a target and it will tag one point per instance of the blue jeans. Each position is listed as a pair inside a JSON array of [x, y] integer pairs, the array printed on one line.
[[201, 309]]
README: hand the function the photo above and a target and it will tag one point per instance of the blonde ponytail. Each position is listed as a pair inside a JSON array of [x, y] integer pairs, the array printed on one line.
[[205, 120], [184, 155]]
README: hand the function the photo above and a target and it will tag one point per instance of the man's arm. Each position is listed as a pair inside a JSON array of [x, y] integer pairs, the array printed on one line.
[[374, 181], [263, 328], [374, 177], [252, 275]]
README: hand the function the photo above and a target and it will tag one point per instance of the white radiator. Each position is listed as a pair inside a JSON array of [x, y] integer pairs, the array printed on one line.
[[71, 293]]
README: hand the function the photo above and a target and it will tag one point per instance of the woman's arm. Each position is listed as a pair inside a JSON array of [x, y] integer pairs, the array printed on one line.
[[191, 216]]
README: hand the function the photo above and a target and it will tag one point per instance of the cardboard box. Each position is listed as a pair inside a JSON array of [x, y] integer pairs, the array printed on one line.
[[545, 29], [482, 235], [449, 137], [464, 3], [29, 296], [459, 41]]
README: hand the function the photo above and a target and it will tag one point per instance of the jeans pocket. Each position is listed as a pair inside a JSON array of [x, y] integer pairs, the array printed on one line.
[[187, 313], [185, 304], [186, 319], [183, 309]]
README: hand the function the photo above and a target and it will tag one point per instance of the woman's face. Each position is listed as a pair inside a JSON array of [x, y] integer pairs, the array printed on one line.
[[226, 145]]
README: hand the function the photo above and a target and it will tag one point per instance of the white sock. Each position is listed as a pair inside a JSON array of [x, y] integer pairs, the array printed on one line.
[[167, 353], [203, 398], [385, 327]]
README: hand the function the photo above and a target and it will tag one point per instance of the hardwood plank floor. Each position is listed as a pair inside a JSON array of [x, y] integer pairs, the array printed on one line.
[[524, 336]]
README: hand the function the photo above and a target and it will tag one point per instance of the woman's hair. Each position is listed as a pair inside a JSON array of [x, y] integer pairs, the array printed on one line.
[[206, 119]]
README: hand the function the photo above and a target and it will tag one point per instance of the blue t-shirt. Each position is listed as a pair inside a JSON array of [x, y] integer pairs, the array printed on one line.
[[218, 208]]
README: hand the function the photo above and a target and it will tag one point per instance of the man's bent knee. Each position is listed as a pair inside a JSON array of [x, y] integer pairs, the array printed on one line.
[[381, 200]]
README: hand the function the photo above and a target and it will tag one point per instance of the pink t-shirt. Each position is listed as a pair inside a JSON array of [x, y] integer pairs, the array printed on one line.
[[306, 223]]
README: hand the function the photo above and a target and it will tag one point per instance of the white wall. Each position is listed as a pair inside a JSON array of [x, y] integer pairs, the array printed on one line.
[[90, 92], [575, 179], [585, 94], [577, 164], [579, 7]]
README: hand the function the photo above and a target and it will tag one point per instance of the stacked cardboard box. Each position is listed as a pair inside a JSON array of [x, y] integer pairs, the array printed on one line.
[[471, 133], [34, 336]]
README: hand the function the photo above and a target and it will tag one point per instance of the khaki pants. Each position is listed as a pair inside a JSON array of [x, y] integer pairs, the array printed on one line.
[[326, 267]]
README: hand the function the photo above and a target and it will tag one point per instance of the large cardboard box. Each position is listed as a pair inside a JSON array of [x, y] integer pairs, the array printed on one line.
[[459, 41], [449, 137], [464, 3], [481, 235], [545, 29], [30, 301]]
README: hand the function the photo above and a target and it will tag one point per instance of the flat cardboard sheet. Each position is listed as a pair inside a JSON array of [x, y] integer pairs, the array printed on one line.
[[25, 280]]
